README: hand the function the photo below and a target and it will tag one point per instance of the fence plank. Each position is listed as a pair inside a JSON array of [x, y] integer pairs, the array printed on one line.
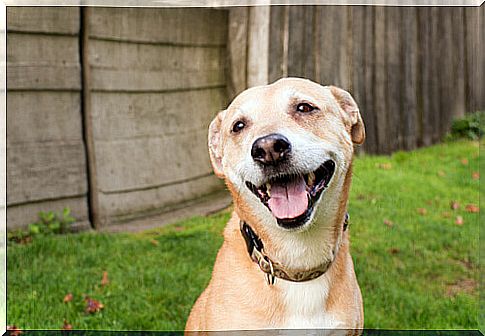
[[193, 26], [300, 55], [481, 62], [345, 56], [258, 45], [434, 75], [458, 63], [446, 84], [333, 46], [357, 31], [472, 32], [409, 69], [278, 43], [369, 113], [380, 81], [57, 20], [236, 51], [424, 80], [393, 76]]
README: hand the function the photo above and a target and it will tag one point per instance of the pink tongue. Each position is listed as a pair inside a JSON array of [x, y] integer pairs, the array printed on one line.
[[290, 200]]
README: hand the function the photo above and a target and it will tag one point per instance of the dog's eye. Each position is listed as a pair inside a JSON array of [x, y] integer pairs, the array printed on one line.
[[304, 108], [238, 126]]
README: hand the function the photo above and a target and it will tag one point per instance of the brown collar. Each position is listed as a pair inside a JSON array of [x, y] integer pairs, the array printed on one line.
[[275, 270]]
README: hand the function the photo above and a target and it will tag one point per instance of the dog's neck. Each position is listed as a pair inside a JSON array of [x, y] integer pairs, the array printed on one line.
[[308, 249], [314, 245]]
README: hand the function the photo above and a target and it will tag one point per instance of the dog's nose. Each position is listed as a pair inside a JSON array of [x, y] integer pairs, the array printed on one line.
[[270, 149]]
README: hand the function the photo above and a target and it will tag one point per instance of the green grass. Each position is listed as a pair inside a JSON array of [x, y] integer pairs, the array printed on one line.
[[419, 273]]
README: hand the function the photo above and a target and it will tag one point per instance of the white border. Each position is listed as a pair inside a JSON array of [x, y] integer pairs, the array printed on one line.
[[233, 3], [141, 3], [3, 168]]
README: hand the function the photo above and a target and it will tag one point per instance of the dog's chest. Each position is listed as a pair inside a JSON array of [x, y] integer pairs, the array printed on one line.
[[305, 305]]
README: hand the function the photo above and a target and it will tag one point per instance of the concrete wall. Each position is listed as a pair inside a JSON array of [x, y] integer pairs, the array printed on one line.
[[140, 85], [157, 80], [46, 168]]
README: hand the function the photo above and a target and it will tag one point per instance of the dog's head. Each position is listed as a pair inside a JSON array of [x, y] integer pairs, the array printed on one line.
[[285, 148]]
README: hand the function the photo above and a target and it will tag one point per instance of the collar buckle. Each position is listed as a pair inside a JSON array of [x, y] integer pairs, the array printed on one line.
[[270, 277]]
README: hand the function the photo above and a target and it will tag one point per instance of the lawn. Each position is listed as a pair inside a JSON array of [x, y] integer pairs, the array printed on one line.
[[416, 262]]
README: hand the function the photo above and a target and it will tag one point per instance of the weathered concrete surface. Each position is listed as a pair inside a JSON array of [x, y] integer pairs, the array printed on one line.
[[45, 150], [192, 26], [157, 78], [129, 66], [41, 62], [21, 215], [57, 20], [199, 207]]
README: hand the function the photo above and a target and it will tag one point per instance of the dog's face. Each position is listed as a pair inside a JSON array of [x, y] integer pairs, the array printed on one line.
[[285, 148]]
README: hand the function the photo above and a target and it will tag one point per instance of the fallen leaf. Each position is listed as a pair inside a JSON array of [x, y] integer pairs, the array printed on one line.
[[464, 161], [105, 279], [14, 330], [472, 208], [454, 205], [441, 173], [467, 263], [388, 222], [24, 240], [92, 305], [394, 250], [468, 286], [446, 214], [422, 211], [154, 242], [66, 326], [476, 175], [459, 220], [385, 166], [68, 298]]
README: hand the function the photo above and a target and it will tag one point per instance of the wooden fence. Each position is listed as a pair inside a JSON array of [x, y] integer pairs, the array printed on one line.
[[411, 69], [108, 108]]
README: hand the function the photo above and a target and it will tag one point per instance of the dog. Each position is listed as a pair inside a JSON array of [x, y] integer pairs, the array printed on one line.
[[285, 151]]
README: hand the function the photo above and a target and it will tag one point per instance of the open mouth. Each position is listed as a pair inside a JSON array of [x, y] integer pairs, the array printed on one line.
[[291, 198]]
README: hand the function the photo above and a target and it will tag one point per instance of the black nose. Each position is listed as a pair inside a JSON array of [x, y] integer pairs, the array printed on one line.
[[270, 149]]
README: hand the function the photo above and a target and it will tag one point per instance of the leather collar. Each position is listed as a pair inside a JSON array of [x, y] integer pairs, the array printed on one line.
[[274, 269]]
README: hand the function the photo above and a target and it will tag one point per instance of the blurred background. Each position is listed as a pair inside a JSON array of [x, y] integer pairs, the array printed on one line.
[[107, 117], [108, 108]]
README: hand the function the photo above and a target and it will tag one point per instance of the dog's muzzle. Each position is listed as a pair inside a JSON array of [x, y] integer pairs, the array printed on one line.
[[291, 197]]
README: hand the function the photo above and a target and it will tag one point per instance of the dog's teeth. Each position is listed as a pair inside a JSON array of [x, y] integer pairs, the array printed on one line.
[[311, 178], [268, 189]]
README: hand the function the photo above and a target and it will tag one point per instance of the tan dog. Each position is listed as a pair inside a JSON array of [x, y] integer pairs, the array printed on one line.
[[285, 151]]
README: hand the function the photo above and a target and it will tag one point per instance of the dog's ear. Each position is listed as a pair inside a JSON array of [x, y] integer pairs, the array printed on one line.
[[215, 143], [349, 106]]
